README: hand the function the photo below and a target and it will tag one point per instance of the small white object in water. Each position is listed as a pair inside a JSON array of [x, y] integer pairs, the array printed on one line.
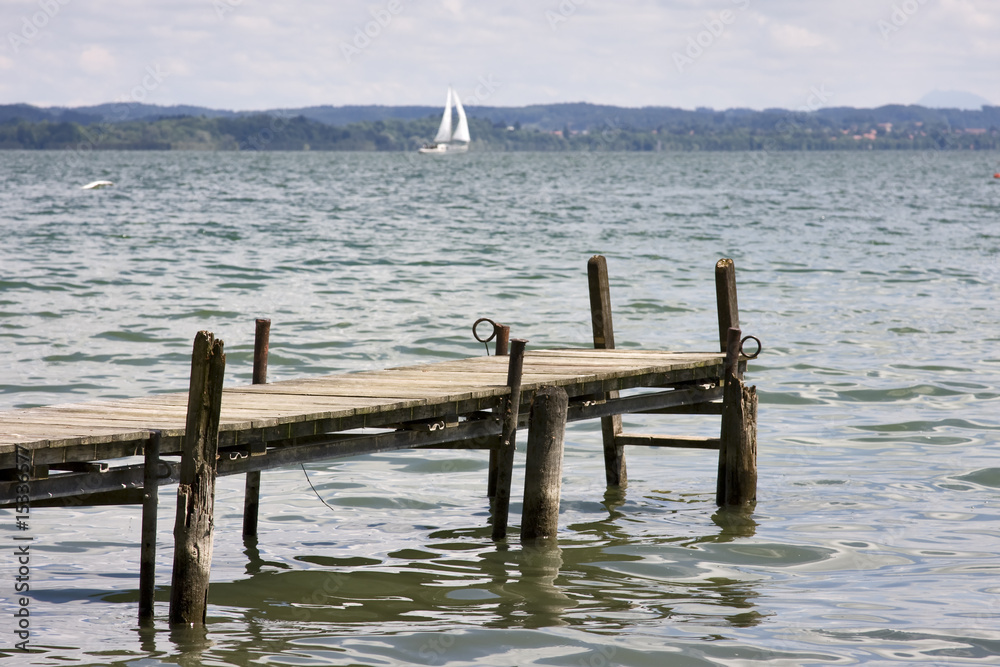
[[97, 184]]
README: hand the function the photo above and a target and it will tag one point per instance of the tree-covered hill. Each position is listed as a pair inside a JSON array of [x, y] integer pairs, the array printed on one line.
[[914, 128], [545, 117]]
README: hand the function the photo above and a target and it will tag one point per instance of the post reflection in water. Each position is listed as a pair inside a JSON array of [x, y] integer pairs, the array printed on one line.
[[526, 582], [147, 638], [190, 644], [460, 579], [255, 563], [736, 523]]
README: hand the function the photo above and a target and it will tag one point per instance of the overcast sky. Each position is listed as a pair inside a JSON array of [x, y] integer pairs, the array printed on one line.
[[252, 54]]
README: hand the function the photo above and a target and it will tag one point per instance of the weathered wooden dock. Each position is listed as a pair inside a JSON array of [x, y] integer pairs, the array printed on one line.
[[83, 452]]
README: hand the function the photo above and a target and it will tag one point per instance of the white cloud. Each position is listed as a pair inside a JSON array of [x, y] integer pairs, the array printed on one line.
[[971, 16], [795, 38], [263, 55], [97, 60]]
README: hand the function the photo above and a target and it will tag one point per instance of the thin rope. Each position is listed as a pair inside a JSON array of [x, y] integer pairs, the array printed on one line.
[[304, 472]]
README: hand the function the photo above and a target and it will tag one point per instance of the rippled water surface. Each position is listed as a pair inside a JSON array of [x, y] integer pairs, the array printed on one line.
[[870, 278]]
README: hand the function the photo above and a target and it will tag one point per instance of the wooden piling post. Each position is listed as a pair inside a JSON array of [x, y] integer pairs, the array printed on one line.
[[543, 465], [147, 548], [604, 339], [194, 523], [730, 366], [725, 297], [491, 481], [737, 482], [503, 341], [251, 496], [261, 345], [505, 454], [740, 423], [502, 350]]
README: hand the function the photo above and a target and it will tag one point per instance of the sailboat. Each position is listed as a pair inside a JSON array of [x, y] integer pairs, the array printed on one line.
[[447, 141]]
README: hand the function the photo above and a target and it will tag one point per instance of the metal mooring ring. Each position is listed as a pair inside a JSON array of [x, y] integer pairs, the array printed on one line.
[[759, 347], [493, 335]]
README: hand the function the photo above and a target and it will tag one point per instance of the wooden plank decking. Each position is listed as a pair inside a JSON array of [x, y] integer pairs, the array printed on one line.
[[256, 420], [379, 397]]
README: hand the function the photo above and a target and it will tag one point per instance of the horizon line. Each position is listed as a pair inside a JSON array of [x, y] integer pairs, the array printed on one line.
[[536, 104]]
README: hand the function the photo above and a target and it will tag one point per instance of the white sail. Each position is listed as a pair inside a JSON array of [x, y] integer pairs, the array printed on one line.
[[462, 131], [444, 132], [445, 141]]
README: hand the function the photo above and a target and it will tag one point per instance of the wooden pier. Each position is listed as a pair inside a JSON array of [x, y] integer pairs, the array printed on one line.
[[86, 453]]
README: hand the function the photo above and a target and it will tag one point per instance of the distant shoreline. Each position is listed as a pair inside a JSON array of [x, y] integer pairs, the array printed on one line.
[[800, 132]]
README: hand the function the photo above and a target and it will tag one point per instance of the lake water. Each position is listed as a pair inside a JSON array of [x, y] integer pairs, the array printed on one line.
[[871, 279]]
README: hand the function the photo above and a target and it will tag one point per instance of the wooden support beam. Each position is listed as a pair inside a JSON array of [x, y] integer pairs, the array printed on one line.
[[474, 434], [80, 466], [194, 523], [327, 447], [147, 549], [505, 453], [643, 403], [694, 409], [604, 339], [543, 464], [251, 495], [725, 297], [679, 441]]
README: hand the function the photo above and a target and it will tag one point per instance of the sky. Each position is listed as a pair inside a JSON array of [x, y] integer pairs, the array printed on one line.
[[254, 54]]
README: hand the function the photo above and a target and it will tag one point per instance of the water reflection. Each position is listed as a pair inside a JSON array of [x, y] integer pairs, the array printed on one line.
[[589, 578], [526, 578], [614, 497], [190, 645], [147, 637], [609, 529], [255, 563], [735, 522]]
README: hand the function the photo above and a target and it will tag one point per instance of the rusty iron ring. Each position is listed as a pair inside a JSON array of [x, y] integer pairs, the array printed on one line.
[[760, 347], [496, 327]]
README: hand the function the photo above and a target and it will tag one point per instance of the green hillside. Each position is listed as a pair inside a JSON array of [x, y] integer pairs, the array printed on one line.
[[774, 130]]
